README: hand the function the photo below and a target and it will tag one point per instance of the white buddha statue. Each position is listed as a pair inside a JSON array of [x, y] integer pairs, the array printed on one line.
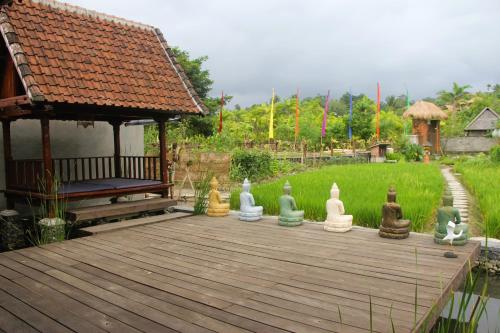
[[248, 211], [336, 221]]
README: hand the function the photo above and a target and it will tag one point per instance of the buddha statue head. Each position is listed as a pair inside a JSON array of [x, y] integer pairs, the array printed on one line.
[[447, 199], [214, 183], [391, 194], [287, 188], [246, 185], [335, 192]]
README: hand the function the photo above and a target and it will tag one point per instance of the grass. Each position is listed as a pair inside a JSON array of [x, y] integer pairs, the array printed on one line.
[[481, 176], [363, 191]]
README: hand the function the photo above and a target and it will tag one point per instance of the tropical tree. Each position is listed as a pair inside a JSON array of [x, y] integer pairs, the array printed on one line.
[[455, 98]]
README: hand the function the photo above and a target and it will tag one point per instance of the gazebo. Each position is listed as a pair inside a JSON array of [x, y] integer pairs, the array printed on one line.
[[62, 62], [426, 119]]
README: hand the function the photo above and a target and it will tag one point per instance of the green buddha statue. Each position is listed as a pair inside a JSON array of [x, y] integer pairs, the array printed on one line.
[[446, 214], [289, 215]]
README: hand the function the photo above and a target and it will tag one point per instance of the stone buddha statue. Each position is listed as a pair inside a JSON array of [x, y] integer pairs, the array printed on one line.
[[216, 207], [289, 215], [336, 221], [447, 214], [248, 211], [393, 225]]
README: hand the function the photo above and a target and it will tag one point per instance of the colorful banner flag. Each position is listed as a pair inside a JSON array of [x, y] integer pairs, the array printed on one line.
[[271, 119], [220, 113], [325, 115], [297, 129], [378, 112], [350, 115]]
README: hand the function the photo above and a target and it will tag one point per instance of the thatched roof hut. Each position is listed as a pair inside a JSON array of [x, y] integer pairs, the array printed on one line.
[[423, 110]]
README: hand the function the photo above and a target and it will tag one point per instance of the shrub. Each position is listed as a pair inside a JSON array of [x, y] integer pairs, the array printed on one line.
[[412, 152], [251, 164], [394, 156], [495, 154]]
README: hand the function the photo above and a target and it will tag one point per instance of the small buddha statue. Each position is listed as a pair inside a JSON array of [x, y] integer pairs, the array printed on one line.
[[336, 221], [393, 225], [216, 207], [248, 211], [447, 214], [289, 215]]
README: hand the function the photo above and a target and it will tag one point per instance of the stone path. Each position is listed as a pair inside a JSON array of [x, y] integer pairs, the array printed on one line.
[[459, 193]]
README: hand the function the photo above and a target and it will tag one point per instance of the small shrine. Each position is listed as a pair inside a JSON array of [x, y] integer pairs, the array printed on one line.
[[426, 118]]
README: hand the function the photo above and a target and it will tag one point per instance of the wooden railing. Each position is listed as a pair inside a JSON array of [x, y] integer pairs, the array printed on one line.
[[27, 174]]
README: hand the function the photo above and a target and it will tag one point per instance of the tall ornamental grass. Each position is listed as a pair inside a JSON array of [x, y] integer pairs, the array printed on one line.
[[482, 178], [363, 189]]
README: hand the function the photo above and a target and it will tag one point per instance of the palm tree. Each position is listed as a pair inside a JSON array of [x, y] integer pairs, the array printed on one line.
[[454, 98]]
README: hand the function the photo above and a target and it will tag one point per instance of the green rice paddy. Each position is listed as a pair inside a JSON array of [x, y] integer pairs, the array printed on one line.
[[363, 190], [482, 178]]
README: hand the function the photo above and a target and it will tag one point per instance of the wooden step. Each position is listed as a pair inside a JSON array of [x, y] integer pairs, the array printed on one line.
[[118, 209], [108, 227]]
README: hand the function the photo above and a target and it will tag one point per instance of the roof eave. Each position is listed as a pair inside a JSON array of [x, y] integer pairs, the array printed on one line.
[[180, 72], [19, 58]]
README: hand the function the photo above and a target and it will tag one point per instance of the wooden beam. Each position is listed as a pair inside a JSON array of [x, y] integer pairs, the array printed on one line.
[[163, 153], [8, 83], [117, 149], [14, 101]]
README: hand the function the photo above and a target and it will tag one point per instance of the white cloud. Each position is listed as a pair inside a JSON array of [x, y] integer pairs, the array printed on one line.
[[254, 45]]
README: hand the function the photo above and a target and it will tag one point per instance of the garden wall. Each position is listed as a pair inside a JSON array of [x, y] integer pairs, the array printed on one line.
[[200, 164], [467, 144]]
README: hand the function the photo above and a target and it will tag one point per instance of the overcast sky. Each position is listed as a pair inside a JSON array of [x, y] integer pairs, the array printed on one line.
[[316, 45]]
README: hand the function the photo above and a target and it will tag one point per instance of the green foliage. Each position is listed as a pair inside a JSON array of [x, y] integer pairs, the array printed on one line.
[[495, 154], [394, 156], [201, 190], [412, 152], [251, 164], [200, 78], [363, 191], [53, 209], [479, 175]]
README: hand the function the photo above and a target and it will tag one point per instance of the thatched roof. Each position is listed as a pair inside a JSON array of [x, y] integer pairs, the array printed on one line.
[[425, 111], [486, 120]]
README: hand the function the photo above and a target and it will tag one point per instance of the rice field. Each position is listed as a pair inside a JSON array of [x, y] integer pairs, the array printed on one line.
[[482, 178], [363, 190]]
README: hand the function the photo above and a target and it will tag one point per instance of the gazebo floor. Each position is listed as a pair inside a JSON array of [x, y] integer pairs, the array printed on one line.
[[218, 274]]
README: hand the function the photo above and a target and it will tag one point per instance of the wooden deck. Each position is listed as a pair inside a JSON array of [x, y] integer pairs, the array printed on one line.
[[200, 274]]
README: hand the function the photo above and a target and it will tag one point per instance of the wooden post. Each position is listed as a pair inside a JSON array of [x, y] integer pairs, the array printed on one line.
[[163, 154], [48, 172], [438, 138], [7, 154], [117, 149]]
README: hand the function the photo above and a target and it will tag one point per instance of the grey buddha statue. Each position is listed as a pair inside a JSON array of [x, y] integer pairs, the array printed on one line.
[[290, 216], [447, 214], [248, 211], [393, 225]]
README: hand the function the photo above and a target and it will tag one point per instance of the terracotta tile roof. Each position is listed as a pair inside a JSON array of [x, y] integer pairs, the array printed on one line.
[[67, 54]]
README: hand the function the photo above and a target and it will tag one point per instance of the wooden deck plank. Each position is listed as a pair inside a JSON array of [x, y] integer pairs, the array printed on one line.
[[218, 274], [115, 226], [118, 209], [278, 279], [152, 278], [28, 266], [10, 323]]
